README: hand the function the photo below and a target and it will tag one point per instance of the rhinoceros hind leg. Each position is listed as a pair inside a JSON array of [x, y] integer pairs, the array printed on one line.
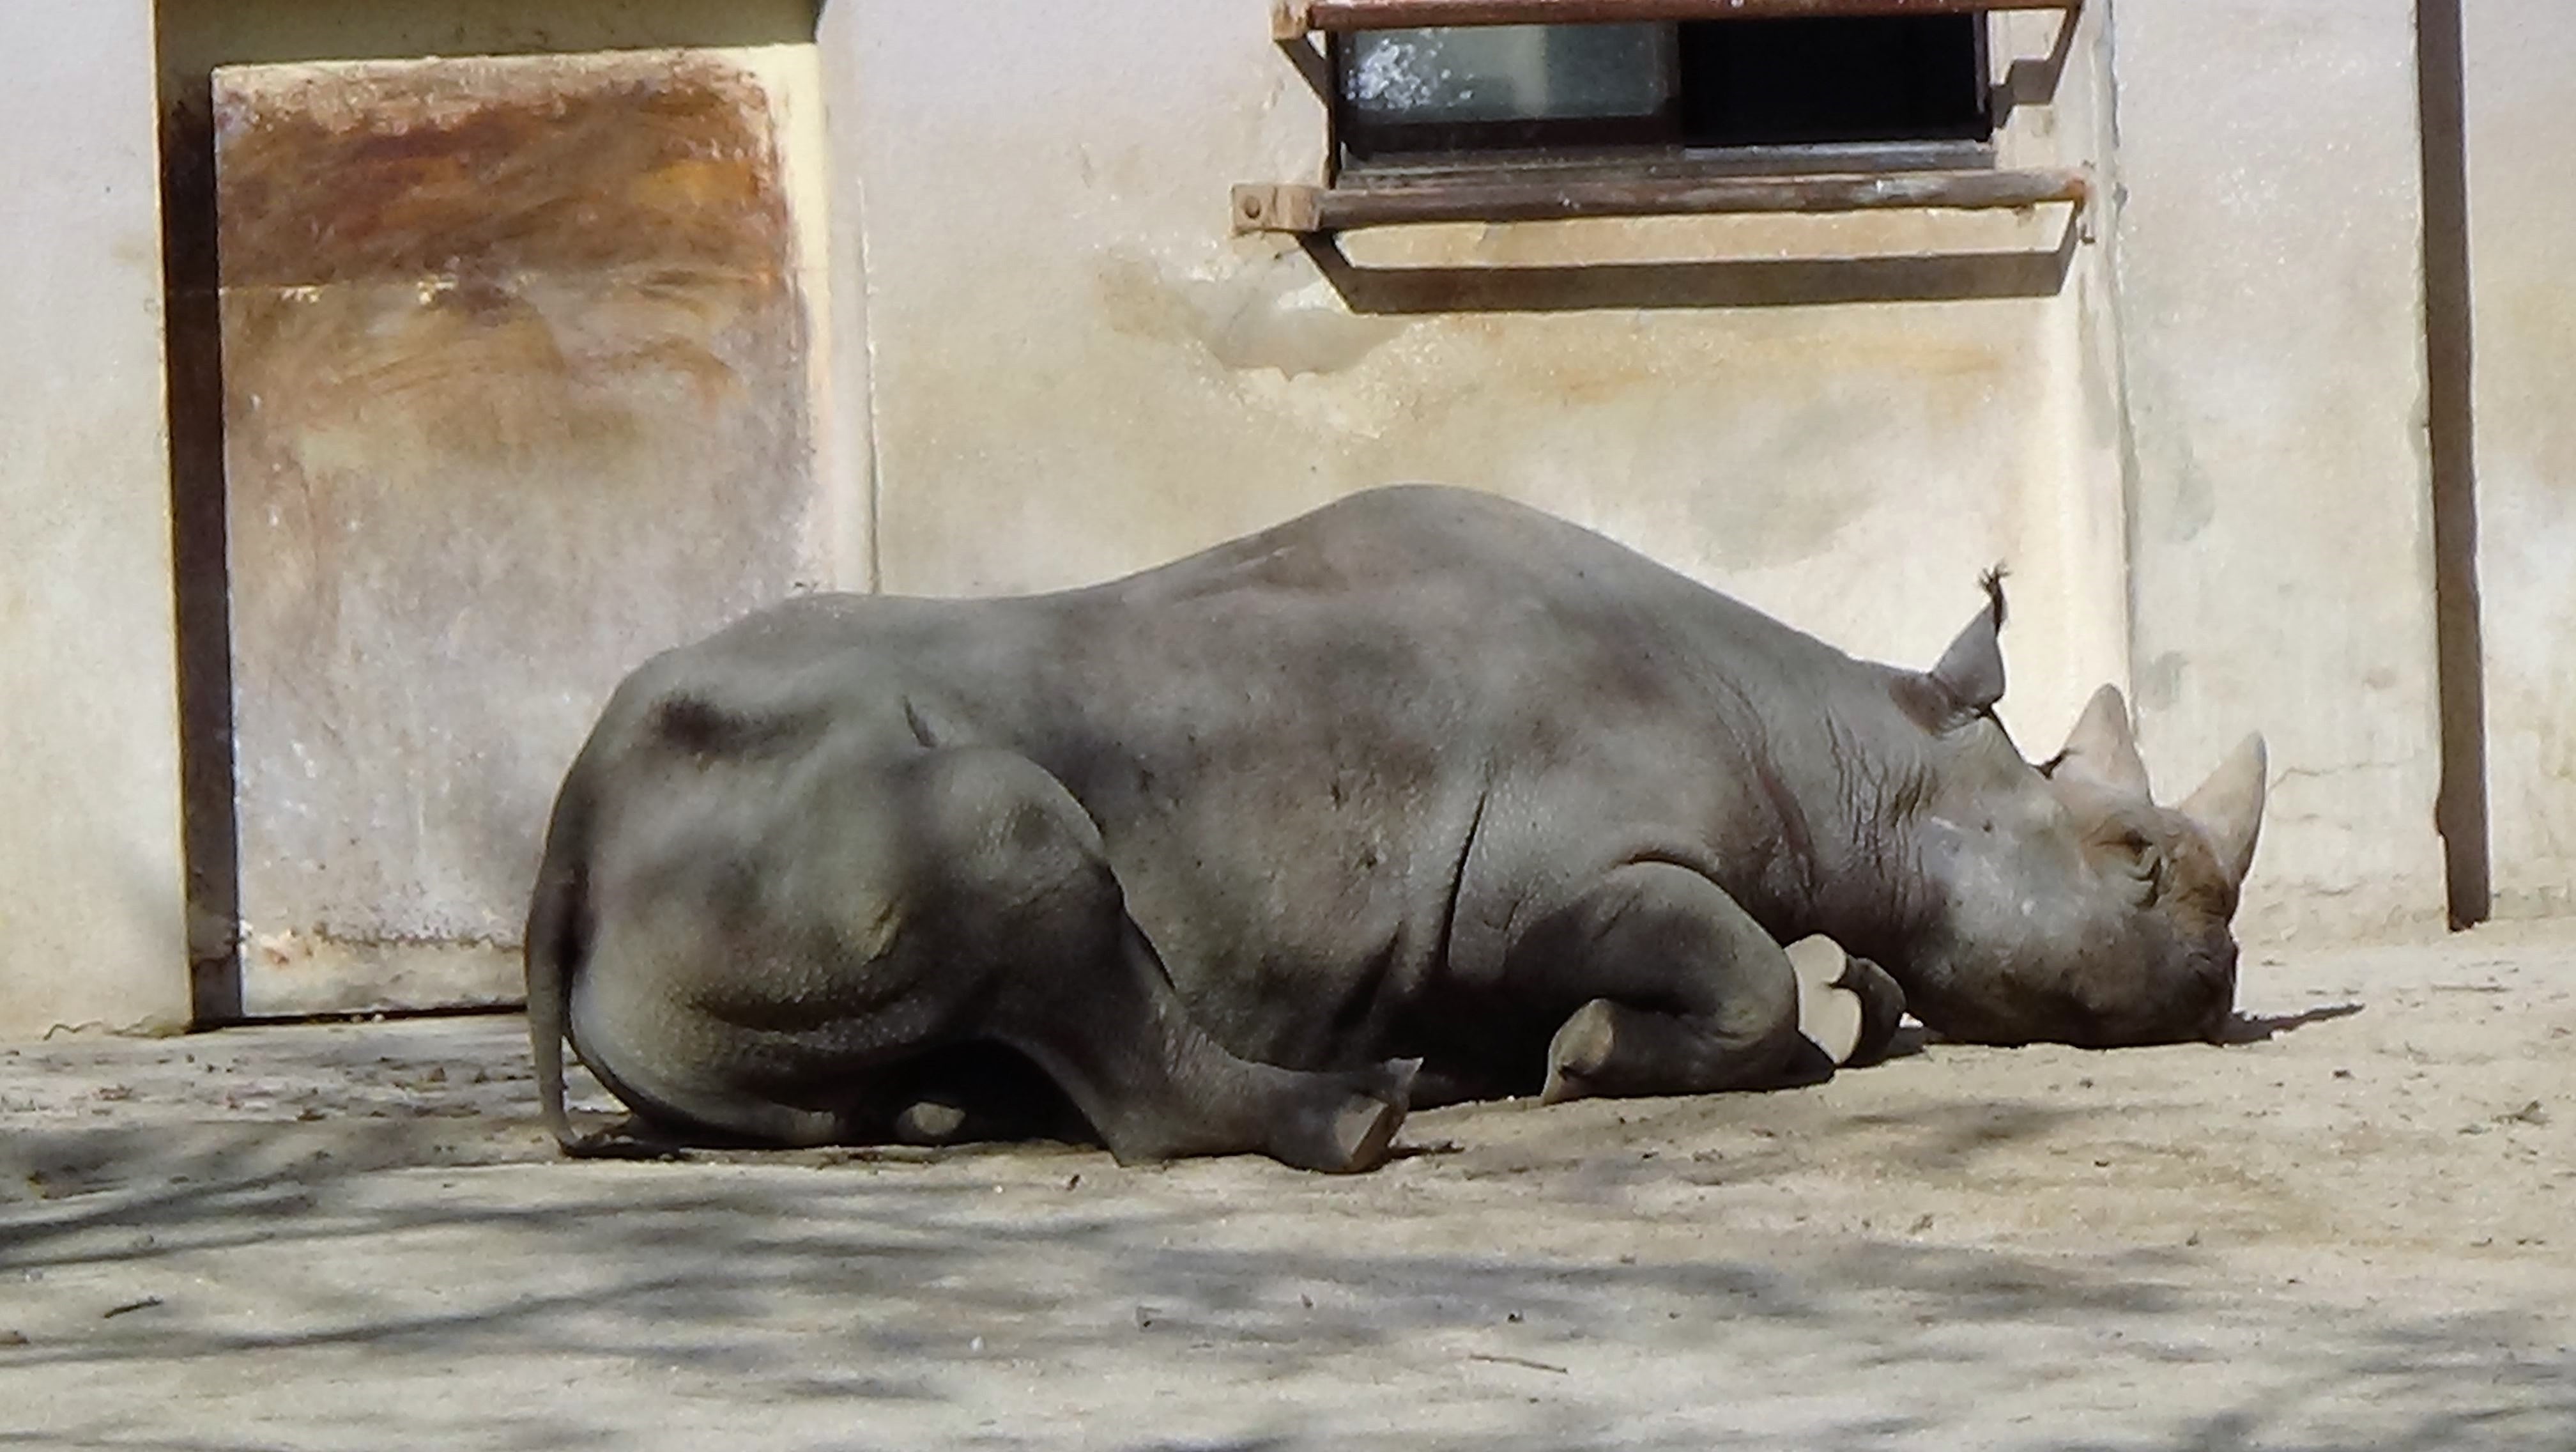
[[1156, 1087], [1686, 993], [916, 906], [1078, 989]]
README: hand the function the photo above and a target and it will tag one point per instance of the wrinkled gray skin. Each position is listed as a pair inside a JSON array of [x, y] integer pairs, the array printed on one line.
[[1223, 847]]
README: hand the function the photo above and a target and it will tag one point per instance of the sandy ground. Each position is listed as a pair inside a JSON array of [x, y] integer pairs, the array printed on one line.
[[2358, 1231]]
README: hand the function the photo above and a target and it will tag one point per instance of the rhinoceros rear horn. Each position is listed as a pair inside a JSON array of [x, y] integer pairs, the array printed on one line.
[[2228, 807], [2101, 746], [1970, 676]]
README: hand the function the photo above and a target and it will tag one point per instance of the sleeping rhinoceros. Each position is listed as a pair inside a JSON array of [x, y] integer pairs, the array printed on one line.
[[1224, 848]]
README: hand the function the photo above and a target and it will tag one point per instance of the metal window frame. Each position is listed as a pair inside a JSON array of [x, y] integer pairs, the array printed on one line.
[[1295, 19], [1542, 183], [1295, 208]]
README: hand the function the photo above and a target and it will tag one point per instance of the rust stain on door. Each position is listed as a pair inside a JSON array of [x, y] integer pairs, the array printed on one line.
[[516, 393]]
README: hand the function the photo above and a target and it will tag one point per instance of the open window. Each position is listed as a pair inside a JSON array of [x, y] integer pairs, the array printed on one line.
[[1894, 90], [1507, 110]]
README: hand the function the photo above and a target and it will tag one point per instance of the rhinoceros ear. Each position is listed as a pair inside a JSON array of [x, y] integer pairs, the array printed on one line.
[[2228, 807], [1970, 677], [2101, 747]]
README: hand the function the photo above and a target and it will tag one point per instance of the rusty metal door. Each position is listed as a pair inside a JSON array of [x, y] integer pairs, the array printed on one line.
[[516, 392]]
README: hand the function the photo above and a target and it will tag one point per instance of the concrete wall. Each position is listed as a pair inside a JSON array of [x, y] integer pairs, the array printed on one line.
[[1078, 372], [91, 928], [2270, 306], [2196, 434], [2521, 123]]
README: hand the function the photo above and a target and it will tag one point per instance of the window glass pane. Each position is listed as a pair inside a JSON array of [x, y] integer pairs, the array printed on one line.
[[1879, 78], [1507, 73]]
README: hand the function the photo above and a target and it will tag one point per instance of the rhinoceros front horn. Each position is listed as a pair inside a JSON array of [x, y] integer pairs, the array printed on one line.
[[2228, 807], [2101, 746]]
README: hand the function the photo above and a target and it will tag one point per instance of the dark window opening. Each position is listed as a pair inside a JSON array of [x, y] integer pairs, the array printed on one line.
[[1698, 89], [1803, 82]]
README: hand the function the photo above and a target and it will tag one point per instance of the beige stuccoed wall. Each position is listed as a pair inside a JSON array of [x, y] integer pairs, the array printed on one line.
[[1077, 372], [2269, 255], [1061, 367], [91, 930], [2521, 121]]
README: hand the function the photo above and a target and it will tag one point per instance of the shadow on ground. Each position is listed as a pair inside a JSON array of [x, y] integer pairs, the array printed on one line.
[[276, 1292], [357, 1237]]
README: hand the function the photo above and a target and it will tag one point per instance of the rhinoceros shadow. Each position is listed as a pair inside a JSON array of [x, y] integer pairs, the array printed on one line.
[[2250, 1028], [2240, 1028]]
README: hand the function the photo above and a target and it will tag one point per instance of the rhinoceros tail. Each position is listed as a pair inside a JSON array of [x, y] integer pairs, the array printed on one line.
[[557, 940], [552, 919]]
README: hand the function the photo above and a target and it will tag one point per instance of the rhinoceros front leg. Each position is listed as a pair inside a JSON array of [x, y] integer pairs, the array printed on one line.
[[1686, 993], [1848, 1007]]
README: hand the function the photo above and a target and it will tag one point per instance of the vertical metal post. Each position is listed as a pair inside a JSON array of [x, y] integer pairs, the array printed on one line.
[[2460, 808]]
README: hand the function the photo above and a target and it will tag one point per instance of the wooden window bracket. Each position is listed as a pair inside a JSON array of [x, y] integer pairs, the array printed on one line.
[[1291, 19], [1306, 209]]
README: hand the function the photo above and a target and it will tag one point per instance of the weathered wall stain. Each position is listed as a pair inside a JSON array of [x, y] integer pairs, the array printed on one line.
[[516, 392], [1265, 312], [535, 165]]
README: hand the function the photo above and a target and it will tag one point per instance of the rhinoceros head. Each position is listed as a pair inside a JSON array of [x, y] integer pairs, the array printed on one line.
[[2067, 905]]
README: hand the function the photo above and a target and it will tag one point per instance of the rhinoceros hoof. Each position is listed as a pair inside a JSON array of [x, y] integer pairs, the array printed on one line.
[[1831, 1015], [1363, 1131], [1579, 1052], [929, 1122], [1882, 1009], [1356, 1135]]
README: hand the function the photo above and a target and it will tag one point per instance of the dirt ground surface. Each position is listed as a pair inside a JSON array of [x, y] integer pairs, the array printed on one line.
[[2355, 1229]]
